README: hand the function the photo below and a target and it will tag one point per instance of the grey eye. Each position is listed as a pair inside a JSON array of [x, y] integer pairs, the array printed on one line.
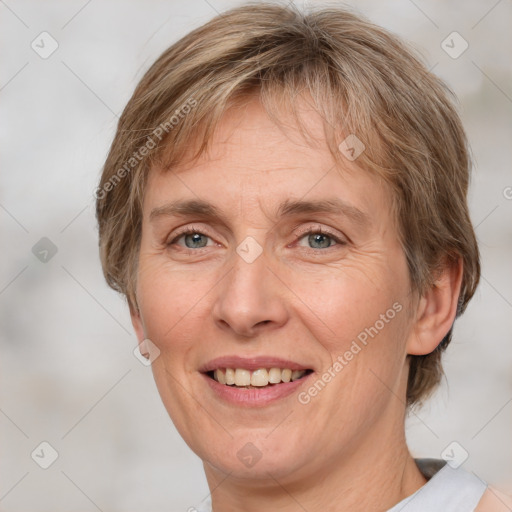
[[319, 241], [195, 240]]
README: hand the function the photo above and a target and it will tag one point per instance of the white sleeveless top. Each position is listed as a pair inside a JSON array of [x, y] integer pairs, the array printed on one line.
[[447, 489]]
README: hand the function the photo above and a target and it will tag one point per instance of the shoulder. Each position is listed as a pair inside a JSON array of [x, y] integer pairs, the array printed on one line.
[[494, 501]]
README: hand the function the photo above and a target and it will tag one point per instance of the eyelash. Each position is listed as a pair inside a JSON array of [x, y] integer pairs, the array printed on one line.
[[189, 230], [312, 230]]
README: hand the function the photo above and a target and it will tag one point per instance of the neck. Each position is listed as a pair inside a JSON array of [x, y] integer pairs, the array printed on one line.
[[374, 475]]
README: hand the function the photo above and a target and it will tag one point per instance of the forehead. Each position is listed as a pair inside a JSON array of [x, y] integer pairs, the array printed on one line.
[[252, 159], [247, 137]]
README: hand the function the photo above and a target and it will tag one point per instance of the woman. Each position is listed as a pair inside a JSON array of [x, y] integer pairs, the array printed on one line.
[[284, 207]]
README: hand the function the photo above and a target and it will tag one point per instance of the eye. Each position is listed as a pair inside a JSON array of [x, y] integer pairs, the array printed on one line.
[[318, 239], [192, 239]]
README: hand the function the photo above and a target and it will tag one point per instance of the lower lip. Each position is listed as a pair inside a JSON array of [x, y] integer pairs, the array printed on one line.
[[254, 397]]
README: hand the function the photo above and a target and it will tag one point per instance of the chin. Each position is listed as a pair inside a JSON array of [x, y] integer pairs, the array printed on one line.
[[250, 459]]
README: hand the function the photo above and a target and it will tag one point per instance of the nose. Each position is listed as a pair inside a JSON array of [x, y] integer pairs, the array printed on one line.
[[250, 298]]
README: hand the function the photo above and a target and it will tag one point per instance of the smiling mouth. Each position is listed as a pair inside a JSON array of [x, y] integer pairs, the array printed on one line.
[[254, 379]]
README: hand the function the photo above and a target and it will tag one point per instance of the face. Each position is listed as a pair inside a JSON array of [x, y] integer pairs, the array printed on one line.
[[263, 257]]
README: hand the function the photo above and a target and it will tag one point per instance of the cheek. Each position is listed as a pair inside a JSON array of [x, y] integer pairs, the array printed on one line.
[[171, 302], [343, 302], [360, 318]]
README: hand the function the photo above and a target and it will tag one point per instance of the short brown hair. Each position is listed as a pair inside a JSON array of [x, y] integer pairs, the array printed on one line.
[[363, 81]]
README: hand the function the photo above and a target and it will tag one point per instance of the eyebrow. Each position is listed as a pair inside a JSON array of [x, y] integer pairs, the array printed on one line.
[[288, 208], [186, 208], [333, 206]]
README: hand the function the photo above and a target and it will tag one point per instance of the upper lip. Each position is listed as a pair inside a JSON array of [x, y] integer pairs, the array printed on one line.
[[251, 363]]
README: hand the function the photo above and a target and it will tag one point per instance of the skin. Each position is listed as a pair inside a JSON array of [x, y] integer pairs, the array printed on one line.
[[345, 449]]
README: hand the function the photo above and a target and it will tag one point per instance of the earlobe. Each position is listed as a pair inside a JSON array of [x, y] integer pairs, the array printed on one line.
[[436, 310], [138, 326]]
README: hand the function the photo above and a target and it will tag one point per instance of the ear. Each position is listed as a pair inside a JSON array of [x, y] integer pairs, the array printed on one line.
[[138, 326], [436, 310]]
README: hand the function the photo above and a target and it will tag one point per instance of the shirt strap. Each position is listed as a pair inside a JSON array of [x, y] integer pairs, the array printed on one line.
[[448, 489]]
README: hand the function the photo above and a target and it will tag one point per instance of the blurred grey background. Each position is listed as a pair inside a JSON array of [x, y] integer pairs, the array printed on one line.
[[68, 374]]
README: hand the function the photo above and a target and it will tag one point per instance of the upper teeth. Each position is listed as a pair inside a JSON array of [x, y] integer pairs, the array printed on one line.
[[260, 377]]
